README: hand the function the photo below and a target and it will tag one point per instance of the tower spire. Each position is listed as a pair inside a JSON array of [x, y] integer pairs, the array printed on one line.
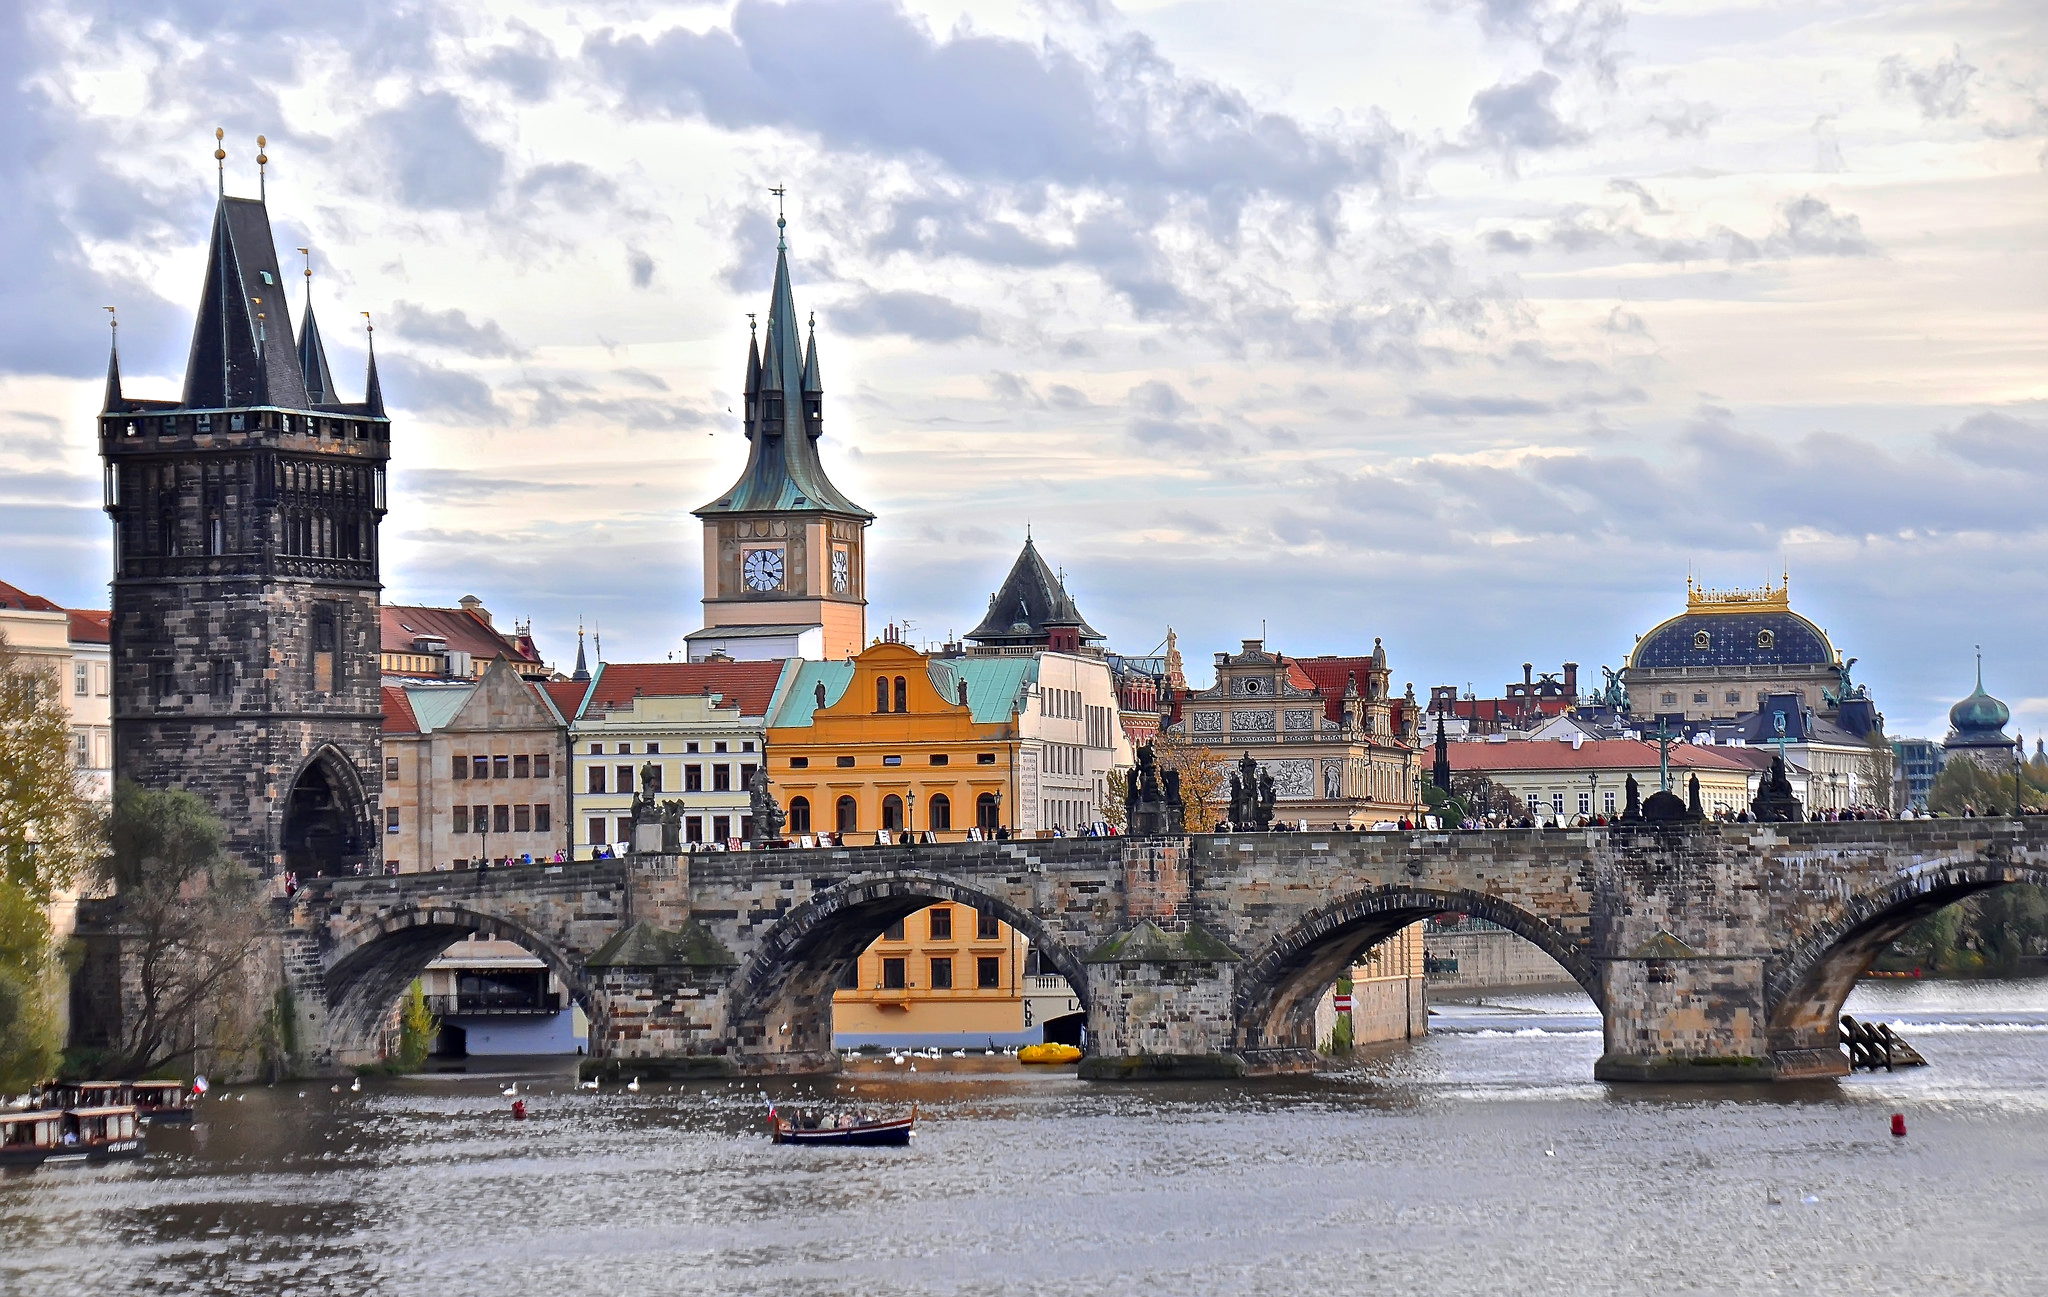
[[373, 391], [582, 668], [312, 349], [114, 402]]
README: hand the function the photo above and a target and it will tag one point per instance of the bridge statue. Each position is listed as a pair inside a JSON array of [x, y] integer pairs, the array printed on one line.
[[1714, 951], [1152, 804], [768, 817]]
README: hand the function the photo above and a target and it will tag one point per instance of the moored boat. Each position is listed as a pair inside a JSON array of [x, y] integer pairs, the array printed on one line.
[[54, 1136], [26, 1138], [167, 1102], [865, 1134]]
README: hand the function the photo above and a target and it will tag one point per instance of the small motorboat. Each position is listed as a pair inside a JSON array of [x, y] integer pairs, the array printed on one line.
[[166, 1102], [865, 1134], [53, 1136], [1050, 1052]]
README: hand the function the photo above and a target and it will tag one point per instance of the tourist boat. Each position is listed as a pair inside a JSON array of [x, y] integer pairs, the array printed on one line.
[[866, 1134], [52, 1136], [84, 1094], [164, 1102]]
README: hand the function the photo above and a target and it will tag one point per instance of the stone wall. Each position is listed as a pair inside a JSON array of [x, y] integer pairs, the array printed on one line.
[[1492, 958]]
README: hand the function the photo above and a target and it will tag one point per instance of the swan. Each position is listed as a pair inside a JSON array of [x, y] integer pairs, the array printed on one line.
[[633, 1086]]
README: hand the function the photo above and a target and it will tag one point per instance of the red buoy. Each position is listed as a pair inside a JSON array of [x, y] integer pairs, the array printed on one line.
[[519, 1114], [1899, 1124]]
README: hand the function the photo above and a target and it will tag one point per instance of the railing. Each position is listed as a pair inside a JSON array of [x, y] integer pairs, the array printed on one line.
[[486, 1006], [1047, 984]]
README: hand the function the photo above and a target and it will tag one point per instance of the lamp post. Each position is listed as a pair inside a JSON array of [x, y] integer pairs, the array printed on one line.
[[910, 815], [1592, 795], [2019, 773]]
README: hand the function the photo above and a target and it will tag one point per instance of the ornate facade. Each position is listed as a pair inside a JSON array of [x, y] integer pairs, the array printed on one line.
[[1339, 749], [785, 552], [1729, 651], [245, 594]]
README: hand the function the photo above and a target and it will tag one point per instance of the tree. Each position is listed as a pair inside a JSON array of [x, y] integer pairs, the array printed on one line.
[[1481, 797], [417, 1029], [1204, 777], [1964, 785], [190, 914], [49, 832], [1879, 772], [1114, 790]]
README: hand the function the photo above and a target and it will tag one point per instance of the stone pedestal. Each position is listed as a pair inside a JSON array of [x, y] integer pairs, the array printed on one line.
[[1675, 1014], [657, 1002], [1160, 1005]]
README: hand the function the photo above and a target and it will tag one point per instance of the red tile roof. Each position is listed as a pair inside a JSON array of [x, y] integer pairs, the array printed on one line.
[[567, 695], [1329, 675], [23, 601], [750, 684], [398, 717], [88, 627], [463, 631], [1594, 754]]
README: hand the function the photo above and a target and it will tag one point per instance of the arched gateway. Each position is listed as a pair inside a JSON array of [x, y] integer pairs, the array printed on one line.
[[1714, 951]]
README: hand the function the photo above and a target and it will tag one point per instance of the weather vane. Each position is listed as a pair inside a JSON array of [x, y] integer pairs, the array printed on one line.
[[220, 158], [262, 161]]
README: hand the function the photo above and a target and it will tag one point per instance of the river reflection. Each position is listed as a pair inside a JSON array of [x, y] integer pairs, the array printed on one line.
[[1483, 1159]]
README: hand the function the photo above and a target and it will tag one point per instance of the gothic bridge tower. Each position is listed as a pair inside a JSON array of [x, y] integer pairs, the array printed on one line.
[[784, 551], [245, 591]]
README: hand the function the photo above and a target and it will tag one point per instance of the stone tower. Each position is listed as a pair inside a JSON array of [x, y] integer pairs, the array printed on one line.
[[785, 553], [245, 591]]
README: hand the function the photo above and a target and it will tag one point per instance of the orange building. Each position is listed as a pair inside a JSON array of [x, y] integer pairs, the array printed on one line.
[[948, 976], [896, 741]]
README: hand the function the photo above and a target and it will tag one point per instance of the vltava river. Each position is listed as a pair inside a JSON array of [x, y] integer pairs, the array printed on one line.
[[1482, 1160]]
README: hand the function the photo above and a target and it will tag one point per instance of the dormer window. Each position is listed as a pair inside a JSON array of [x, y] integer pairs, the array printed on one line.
[[1765, 639], [1702, 640]]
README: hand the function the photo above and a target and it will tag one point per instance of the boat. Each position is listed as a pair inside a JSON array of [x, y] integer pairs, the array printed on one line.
[[1049, 1052], [864, 1134], [54, 1136], [162, 1102]]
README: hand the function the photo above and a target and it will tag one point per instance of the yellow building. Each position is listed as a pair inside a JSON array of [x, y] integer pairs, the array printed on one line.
[[949, 976]]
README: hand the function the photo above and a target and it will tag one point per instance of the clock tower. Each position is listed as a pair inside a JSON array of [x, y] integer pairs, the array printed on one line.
[[785, 553]]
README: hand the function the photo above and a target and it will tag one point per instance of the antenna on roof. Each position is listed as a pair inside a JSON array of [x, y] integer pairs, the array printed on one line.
[[262, 161], [220, 160]]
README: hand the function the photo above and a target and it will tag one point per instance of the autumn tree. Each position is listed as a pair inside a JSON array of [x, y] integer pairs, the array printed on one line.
[[190, 914], [50, 831], [1204, 777]]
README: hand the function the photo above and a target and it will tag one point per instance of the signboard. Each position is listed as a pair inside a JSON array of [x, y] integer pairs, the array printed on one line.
[[1343, 1003]]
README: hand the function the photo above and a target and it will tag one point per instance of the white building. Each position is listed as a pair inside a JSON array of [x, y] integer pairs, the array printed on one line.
[[74, 646]]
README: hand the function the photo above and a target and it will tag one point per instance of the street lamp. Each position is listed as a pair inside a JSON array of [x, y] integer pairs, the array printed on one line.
[[910, 815], [1592, 795], [2019, 770]]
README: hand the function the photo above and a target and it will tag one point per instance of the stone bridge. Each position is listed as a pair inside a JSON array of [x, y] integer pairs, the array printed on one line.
[[1714, 951]]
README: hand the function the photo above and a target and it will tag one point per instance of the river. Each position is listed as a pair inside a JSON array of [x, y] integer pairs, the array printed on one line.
[[1480, 1160]]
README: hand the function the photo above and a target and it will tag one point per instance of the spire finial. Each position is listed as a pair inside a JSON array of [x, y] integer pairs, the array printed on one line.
[[262, 161], [220, 159], [781, 222], [114, 324], [750, 324], [814, 321], [307, 253]]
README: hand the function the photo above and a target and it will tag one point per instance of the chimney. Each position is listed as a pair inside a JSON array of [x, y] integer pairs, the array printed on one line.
[[475, 608], [1528, 680], [1571, 679]]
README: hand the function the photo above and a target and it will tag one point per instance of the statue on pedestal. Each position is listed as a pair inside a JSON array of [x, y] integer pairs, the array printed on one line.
[[768, 817]]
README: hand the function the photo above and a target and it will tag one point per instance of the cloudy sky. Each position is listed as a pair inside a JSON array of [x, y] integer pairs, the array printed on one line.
[[1470, 324]]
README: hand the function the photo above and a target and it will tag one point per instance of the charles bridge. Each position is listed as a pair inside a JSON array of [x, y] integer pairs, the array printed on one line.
[[1714, 951]]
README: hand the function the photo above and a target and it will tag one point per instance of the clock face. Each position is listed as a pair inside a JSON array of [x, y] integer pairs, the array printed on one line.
[[762, 569], [842, 571]]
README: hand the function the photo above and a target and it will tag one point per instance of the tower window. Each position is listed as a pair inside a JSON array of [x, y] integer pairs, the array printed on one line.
[[223, 680], [323, 651]]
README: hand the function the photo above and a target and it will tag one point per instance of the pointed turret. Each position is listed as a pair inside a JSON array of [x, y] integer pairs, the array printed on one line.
[[242, 349], [1031, 607], [582, 671], [783, 397], [114, 403], [373, 390], [812, 386], [313, 358]]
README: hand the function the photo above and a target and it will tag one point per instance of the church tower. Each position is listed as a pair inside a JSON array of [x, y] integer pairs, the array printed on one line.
[[785, 552], [245, 591]]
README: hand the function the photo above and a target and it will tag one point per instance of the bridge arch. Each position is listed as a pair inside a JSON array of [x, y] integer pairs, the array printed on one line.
[[781, 999], [1278, 988], [368, 967], [1805, 989]]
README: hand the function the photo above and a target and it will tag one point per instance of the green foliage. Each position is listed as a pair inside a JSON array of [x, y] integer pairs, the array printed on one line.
[[1999, 933], [1114, 790], [193, 914], [49, 832], [1964, 787], [278, 1043], [417, 1029]]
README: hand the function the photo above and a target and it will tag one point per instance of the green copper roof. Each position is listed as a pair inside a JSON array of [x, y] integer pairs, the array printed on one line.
[[995, 686], [800, 692], [433, 706]]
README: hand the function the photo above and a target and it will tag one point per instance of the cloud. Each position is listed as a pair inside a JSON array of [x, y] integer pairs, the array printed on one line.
[[921, 316], [1809, 227], [1649, 204], [422, 387], [452, 329], [437, 160], [866, 76], [1942, 91], [1568, 36], [1998, 441], [1518, 117], [1438, 405], [1625, 322], [1161, 420], [640, 268], [527, 67]]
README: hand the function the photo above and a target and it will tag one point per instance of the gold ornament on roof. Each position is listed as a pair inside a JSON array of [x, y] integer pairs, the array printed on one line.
[[1773, 596]]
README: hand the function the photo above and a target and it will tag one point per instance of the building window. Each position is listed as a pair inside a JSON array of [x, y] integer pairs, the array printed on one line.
[[1766, 639], [654, 749], [391, 819], [390, 770], [624, 783], [693, 828], [595, 775], [892, 974], [894, 932], [941, 758], [942, 922], [479, 767], [799, 815], [323, 651], [843, 763], [718, 747], [902, 695], [689, 747], [80, 679], [988, 972], [654, 769], [162, 679], [597, 749], [460, 766], [881, 693], [1531, 800], [543, 818], [1734, 697], [984, 758], [81, 748], [942, 973], [501, 767], [1699, 698], [522, 819], [625, 829], [540, 765], [746, 776], [1607, 803], [892, 813], [846, 815], [987, 927], [1671, 700], [1585, 803], [522, 767], [596, 830], [985, 812], [892, 761], [501, 819], [940, 812], [799, 763], [721, 827], [721, 778], [1557, 803], [693, 778], [480, 819], [1702, 640], [747, 746], [462, 819]]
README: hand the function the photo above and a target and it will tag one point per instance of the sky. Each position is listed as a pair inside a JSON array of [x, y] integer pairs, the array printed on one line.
[[1471, 325]]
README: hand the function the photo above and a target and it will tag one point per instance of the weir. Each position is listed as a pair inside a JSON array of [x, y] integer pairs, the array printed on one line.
[[1714, 951]]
